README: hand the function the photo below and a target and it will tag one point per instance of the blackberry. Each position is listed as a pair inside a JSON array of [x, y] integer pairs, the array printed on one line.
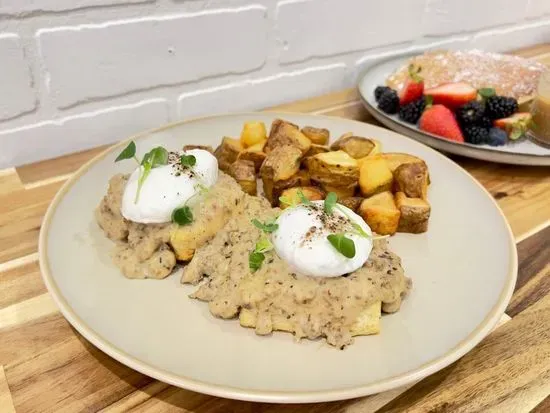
[[379, 91], [476, 135], [470, 114], [497, 137], [498, 107], [411, 112], [389, 102], [485, 122]]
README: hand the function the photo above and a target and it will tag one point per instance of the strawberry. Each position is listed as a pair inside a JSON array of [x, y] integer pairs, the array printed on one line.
[[516, 125], [413, 88], [452, 95], [441, 121]]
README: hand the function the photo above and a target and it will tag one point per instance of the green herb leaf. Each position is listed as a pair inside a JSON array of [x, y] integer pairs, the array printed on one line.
[[330, 202], [287, 201], [255, 260], [182, 215], [303, 198], [188, 160], [265, 226], [128, 152], [342, 244], [263, 245], [155, 157], [486, 92]]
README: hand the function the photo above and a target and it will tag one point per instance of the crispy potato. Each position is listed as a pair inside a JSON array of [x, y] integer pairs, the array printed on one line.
[[340, 191], [352, 202], [318, 136], [335, 169], [355, 146], [280, 165], [310, 192], [412, 179], [203, 147], [375, 177], [377, 147], [380, 213], [255, 154], [396, 159], [302, 178], [253, 133], [315, 149], [284, 133], [415, 213], [227, 152], [244, 173]]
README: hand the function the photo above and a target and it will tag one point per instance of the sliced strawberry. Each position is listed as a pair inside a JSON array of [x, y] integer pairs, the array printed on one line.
[[516, 125], [452, 95], [413, 88], [441, 121]]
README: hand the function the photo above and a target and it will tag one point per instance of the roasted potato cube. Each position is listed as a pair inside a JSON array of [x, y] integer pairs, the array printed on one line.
[[396, 159], [355, 146], [351, 202], [310, 192], [415, 213], [283, 134], [302, 178], [314, 149], [253, 133], [227, 152], [318, 136], [380, 213], [244, 173], [375, 177], [203, 147], [412, 179], [340, 191], [377, 147], [334, 169], [280, 165], [255, 154]]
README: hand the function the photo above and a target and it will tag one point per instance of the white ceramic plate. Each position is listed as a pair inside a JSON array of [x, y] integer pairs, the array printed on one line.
[[522, 152], [463, 269]]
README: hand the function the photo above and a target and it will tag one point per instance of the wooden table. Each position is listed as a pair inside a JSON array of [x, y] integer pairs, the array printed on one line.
[[46, 366]]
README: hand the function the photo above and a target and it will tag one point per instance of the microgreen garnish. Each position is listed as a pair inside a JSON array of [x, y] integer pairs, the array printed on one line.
[[265, 226], [155, 157], [287, 201], [330, 202], [303, 198], [342, 244], [188, 160], [255, 260], [128, 152], [182, 215], [257, 257]]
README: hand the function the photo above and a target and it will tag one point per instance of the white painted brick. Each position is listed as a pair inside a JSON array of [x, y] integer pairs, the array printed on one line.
[[264, 92], [454, 16], [100, 60], [53, 138], [502, 40], [16, 93], [309, 28], [18, 7], [538, 8]]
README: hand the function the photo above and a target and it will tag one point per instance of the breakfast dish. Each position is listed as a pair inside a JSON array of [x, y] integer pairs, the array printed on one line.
[[474, 103], [151, 326], [298, 256]]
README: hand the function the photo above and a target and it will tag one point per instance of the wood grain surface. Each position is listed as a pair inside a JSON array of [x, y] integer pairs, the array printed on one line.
[[46, 366]]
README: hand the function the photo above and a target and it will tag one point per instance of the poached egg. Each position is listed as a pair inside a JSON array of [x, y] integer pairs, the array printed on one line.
[[301, 240], [168, 187]]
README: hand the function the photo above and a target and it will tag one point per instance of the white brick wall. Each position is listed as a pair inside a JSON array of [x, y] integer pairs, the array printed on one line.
[[75, 74]]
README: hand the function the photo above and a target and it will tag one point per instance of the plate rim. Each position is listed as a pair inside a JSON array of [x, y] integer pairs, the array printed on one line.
[[268, 396], [429, 139]]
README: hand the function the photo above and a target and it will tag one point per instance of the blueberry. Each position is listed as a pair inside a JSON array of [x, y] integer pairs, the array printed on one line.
[[497, 137]]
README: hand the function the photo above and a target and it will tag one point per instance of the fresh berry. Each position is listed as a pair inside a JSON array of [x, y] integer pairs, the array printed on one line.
[[439, 120], [452, 95], [389, 102], [498, 107], [379, 91], [413, 87], [485, 122], [470, 114], [476, 135], [497, 137], [516, 125], [411, 112]]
